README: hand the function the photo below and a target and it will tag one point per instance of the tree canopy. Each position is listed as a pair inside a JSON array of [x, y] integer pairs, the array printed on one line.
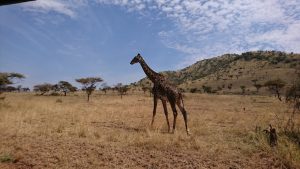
[[66, 87], [89, 84], [275, 86], [43, 88], [8, 79]]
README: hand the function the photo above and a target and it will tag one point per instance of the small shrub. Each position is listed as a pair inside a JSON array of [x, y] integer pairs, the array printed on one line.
[[6, 158], [292, 65], [97, 135], [55, 94], [60, 128], [193, 90], [243, 88], [58, 101], [207, 89], [82, 133]]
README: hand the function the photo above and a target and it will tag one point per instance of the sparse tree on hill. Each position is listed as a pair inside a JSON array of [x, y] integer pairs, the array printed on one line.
[[181, 90], [229, 86], [43, 88], [254, 81], [243, 88], [206, 89], [275, 86], [293, 99], [257, 86], [193, 90], [89, 84]]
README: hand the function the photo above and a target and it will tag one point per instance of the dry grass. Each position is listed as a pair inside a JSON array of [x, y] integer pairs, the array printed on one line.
[[110, 132]]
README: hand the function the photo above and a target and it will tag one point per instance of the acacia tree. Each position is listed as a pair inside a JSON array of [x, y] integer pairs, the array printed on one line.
[[275, 86], [55, 88], [243, 88], [293, 98], [43, 88], [257, 86], [89, 84], [229, 86], [254, 81], [66, 87], [206, 89], [122, 89], [8, 79], [104, 87]]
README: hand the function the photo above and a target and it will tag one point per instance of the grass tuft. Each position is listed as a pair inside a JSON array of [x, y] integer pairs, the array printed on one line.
[[6, 158]]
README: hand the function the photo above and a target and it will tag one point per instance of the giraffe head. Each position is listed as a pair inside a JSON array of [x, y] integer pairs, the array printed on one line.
[[136, 59]]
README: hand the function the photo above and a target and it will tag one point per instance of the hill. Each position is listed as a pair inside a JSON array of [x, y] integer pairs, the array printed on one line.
[[227, 73]]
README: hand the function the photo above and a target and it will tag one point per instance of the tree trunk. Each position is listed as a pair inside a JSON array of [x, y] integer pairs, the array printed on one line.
[[65, 93], [88, 98], [278, 94]]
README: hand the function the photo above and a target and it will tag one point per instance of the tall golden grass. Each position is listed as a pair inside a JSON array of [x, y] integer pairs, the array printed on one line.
[[226, 130]]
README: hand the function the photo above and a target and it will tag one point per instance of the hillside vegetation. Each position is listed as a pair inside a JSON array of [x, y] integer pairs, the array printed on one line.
[[227, 73]]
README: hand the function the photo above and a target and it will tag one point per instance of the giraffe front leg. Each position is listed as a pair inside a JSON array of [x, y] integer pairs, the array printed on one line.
[[154, 109], [166, 113]]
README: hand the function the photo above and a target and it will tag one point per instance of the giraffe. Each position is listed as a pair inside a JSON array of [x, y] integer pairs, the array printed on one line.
[[165, 91]]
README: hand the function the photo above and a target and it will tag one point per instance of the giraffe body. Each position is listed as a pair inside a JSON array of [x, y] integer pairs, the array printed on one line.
[[165, 91]]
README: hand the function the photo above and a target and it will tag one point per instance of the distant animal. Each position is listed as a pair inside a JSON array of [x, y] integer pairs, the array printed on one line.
[[165, 91], [272, 136]]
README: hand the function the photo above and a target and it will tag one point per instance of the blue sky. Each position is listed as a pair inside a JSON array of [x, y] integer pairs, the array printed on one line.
[[53, 40]]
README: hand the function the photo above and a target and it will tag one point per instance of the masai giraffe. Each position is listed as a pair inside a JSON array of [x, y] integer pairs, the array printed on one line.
[[165, 91]]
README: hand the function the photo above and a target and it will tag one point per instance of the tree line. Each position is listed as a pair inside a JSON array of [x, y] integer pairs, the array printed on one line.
[[89, 85]]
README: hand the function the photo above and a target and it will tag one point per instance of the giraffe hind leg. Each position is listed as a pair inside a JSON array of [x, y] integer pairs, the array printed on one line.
[[184, 113], [174, 114], [164, 102]]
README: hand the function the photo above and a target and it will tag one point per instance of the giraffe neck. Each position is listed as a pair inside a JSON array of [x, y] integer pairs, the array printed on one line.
[[151, 74]]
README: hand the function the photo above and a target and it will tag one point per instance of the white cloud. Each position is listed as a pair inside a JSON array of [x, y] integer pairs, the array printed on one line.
[[288, 38], [227, 26], [208, 28], [66, 7]]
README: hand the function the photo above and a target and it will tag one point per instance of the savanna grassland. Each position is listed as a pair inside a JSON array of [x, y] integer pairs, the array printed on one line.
[[110, 132]]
